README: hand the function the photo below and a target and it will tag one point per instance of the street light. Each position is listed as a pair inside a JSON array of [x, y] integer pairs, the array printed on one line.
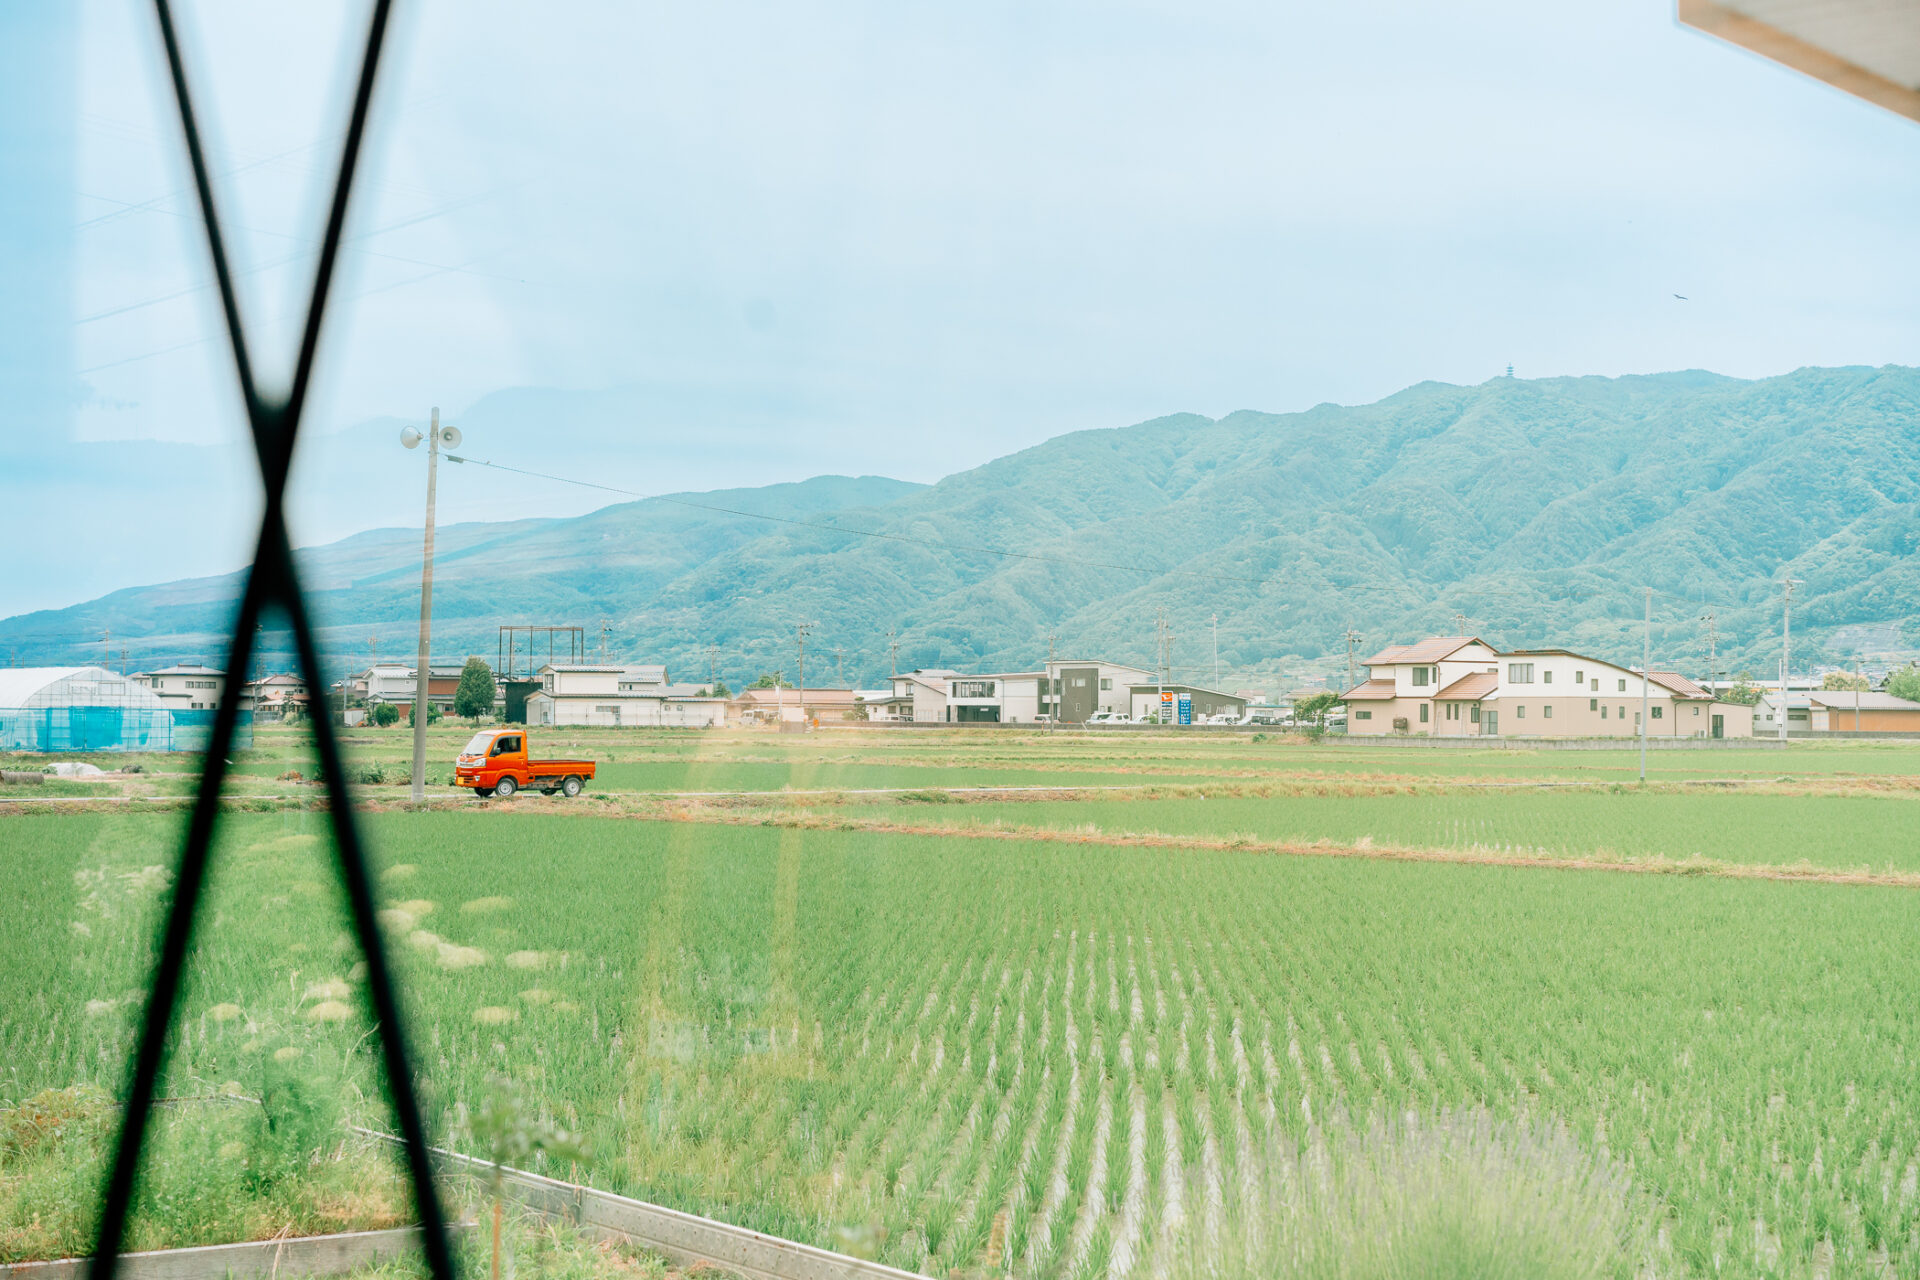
[[436, 437]]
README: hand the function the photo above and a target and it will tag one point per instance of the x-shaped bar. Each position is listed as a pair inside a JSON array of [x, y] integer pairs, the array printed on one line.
[[273, 581]]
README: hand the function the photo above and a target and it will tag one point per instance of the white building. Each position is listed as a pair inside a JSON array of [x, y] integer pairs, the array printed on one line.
[[998, 697], [189, 686], [620, 696], [1460, 686], [919, 695]]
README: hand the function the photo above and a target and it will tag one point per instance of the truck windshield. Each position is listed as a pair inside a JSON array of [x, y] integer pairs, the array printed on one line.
[[477, 745]]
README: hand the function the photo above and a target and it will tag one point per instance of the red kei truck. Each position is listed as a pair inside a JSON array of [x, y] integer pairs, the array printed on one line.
[[499, 762]]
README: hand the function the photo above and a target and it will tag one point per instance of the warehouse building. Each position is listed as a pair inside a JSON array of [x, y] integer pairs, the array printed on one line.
[[1182, 704], [94, 709]]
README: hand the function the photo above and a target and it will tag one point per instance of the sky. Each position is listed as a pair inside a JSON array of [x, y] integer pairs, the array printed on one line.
[[770, 242]]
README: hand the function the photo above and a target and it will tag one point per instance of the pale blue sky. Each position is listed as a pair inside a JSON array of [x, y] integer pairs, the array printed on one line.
[[905, 239]]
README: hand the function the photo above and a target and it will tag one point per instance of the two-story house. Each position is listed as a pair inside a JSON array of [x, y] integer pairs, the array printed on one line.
[[189, 686], [1402, 691], [1459, 686], [919, 695]]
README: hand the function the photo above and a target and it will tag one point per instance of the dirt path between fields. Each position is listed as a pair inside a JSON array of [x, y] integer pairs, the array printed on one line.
[[1644, 865]]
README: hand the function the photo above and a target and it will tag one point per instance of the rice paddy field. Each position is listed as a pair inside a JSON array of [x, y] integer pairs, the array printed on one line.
[[1074, 1030]]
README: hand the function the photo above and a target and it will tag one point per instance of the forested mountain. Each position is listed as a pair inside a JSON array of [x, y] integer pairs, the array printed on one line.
[[1537, 509]]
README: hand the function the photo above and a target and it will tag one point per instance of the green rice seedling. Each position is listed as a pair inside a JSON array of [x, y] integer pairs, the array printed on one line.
[[1460, 1194]]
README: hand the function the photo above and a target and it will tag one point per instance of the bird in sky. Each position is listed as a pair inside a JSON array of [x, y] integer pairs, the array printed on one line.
[[1683, 297]]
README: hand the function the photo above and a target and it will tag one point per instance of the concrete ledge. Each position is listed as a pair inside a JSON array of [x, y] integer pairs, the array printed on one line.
[[685, 1237], [295, 1256]]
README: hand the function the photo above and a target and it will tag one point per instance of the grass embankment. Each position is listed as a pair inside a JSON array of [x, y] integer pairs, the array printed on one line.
[[951, 1048]]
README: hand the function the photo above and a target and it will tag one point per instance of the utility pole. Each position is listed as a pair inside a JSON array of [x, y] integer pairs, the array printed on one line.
[[1216, 650], [1786, 650], [422, 676], [1459, 623], [712, 652], [1858, 680], [604, 629], [1646, 679], [893, 654], [1159, 663], [800, 633], [1713, 651], [1352, 638], [840, 665]]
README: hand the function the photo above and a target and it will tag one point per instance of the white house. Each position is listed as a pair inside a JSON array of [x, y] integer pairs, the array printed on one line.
[[189, 686], [919, 695], [1460, 686], [620, 696]]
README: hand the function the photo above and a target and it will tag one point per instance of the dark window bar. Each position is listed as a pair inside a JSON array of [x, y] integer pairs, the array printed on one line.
[[272, 583]]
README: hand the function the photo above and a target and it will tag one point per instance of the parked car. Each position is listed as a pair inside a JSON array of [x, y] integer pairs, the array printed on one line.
[[1109, 717]]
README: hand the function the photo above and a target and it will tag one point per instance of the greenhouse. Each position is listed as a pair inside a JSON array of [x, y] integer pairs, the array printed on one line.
[[93, 709]]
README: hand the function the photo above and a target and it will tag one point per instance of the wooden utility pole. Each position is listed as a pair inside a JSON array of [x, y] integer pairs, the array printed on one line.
[[1352, 638], [713, 652], [893, 654]]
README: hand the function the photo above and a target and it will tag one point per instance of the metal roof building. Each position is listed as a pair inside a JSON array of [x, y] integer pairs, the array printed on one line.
[[94, 709]]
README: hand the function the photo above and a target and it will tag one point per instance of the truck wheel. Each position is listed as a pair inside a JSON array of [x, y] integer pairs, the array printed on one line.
[[505, 788], [570, 785]]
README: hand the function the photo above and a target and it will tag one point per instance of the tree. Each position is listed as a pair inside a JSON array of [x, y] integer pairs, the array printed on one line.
[[1844, 680], [1315, 708], [385, 714], [1743, 694], [1905, 683], [720, 690], [473, 697], [770, 680]]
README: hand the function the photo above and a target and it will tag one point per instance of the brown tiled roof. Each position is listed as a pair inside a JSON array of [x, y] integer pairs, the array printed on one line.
[[1680, 686], [1370, 691], [1432, 649], [1387, 655], [1471, 688]]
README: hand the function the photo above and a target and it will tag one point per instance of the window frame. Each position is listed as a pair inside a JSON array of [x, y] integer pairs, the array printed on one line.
[[272, 584]]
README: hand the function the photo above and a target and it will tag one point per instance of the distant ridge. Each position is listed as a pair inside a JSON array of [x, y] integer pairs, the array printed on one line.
[[1536, 507]]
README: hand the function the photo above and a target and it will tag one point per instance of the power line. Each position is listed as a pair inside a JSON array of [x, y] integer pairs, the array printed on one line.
[[865, 533]]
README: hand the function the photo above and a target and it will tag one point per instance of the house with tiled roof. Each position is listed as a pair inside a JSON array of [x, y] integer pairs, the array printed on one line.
[[1460, 686]]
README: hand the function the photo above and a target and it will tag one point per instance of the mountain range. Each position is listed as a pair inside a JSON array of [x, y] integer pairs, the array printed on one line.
[[1532, 512]]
